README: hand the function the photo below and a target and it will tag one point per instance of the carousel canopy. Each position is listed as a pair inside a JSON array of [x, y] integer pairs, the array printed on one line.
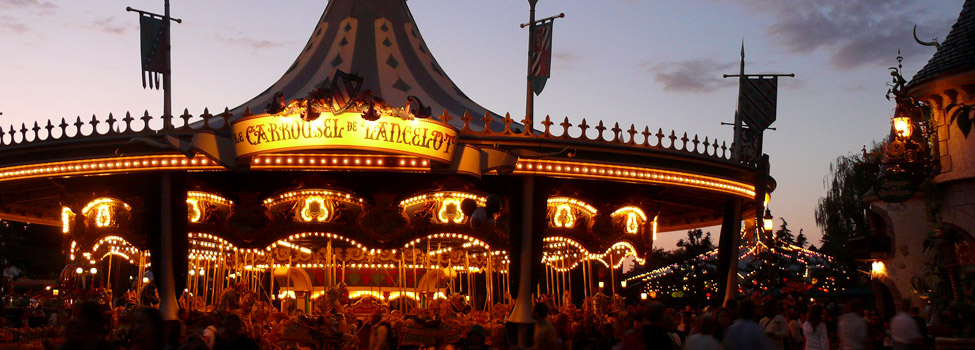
[[378, 41]]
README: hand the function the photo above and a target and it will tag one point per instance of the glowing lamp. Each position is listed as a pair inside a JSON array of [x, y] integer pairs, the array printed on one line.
[[601, 284], [878, 268], [623, 284], [145, 280], [93, 270], [55, 292], [202, 272], [47, 288], [768, 223], [643, 296], [192, 272], [902, 126], [79, 270]]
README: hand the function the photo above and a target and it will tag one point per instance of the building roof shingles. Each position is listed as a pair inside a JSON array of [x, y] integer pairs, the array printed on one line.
[[957, 52]]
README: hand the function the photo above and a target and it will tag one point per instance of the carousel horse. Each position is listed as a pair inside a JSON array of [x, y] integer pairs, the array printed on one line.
[[441, 323], [338, 331], [600, 304]]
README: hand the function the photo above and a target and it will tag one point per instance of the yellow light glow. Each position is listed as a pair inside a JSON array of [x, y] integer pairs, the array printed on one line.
[[450, 211], [643, 296], [104, 216], [903, 127], [193, 210], [601, 284], [878, 268], [55, 292], [67, 216], [387, 134], [632, 226], [144, 279], [623, 283], [79, 270], [314, 209], [93, 270], [563, 216], [654, 227], [632, 218], [632, 174]]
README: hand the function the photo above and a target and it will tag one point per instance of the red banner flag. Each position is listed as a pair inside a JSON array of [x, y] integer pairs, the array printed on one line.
[[541, 56], [757, 100]]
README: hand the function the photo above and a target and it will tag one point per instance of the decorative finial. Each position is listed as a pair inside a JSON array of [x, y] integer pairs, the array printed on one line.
[[934, 42], [897, 81]]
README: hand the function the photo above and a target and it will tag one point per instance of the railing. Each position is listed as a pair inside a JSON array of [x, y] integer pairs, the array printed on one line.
[[493, 127]]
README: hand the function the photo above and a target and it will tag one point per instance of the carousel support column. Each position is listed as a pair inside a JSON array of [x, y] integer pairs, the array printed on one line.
[[568, 273], [612, 273], [728, 252], [171, 235], [585, 278], [528, 250], [142, 271]]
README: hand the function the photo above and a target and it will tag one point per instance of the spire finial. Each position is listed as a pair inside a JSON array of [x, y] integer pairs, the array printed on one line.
[[742, 69]]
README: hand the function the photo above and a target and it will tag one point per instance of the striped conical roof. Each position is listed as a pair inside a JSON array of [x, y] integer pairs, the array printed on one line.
[[378, 41]]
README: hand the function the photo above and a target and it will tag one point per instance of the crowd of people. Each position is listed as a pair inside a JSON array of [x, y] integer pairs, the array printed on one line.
[[241, 321]]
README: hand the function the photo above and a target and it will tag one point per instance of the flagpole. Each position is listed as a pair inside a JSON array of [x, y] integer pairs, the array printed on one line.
[[167, 75], [530, 98]]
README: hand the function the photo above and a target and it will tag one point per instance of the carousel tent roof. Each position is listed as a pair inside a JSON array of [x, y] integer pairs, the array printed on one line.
[[957, 52], [378, 41]]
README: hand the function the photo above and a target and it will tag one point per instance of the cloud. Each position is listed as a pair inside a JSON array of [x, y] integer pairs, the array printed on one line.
[[13, 11], [28, 4], [853, 33], [109, 25], [256, 44], [565, 59], [15, 27], [697, 75]]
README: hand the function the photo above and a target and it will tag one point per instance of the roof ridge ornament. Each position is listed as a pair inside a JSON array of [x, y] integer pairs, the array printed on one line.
[[937, 46]]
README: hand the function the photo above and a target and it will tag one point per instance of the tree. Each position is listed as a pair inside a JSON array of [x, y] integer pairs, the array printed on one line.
[[801, 240], [33, 250], [784, 234], [697, 242], [841, 213]]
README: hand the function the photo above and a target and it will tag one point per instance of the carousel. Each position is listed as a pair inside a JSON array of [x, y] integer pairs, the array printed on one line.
[[364, 180]]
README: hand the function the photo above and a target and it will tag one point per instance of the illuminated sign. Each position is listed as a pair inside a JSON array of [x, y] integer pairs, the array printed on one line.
[[419, 137]]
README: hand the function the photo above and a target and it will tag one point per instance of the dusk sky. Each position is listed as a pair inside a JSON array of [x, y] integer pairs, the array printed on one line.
[[656, 63]]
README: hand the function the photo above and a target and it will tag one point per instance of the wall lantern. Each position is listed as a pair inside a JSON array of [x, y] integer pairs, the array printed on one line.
[[623, 284], [643, 296], [768, 223], [877, 268], [93, 270], [79, 271], [902, 126], [601, 284]]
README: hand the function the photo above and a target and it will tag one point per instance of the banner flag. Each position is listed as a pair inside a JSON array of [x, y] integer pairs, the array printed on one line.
[[153, 37], [757, 100], [541, 56]]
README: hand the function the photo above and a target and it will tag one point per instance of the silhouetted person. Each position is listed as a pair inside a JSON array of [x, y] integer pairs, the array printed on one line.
[[745, 334], [147, 330], [852, 329], [232, 337], [86, 330]]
